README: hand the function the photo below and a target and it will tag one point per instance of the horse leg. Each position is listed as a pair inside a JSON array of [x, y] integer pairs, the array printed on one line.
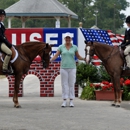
[[16, 90], [115, 100], [116, 83], [119, 96]]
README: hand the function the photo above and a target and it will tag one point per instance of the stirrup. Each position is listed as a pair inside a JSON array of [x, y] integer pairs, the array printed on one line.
[[6, 71], [123, 67]]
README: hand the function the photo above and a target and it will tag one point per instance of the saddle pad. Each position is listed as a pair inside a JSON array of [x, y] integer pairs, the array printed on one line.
[[14, 59]]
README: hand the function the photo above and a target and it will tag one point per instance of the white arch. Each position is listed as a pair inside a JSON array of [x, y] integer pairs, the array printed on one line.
[[31, 86]]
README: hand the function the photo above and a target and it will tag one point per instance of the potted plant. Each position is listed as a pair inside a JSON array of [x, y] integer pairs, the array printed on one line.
[[104, 90]]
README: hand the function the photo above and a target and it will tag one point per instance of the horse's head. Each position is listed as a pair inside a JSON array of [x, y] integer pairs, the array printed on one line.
[[45, 55], [89, 51]]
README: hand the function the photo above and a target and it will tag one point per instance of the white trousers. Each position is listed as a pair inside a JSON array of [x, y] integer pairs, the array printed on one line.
[[68, 78], [126, 52]]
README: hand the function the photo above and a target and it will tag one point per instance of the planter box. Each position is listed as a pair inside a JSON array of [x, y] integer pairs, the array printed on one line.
[[106, 95]]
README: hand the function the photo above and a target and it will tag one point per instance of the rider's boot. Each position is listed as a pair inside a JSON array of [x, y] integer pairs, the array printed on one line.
[[5, 65]]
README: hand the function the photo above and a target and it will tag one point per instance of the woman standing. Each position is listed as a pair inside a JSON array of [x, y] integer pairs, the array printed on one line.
[[67, 68]]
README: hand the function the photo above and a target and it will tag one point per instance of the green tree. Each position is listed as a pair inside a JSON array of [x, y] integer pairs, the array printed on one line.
[[108, 16], [83, 9], [121, 31]]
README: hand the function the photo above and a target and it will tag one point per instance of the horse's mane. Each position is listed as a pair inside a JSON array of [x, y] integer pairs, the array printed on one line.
[[102, 45], [35, 45], [29, 43]]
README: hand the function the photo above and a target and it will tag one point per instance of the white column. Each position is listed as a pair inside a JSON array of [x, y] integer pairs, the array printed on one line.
[[69, 21], [23, 24], [23, 21], [9, 22], [57, 23]]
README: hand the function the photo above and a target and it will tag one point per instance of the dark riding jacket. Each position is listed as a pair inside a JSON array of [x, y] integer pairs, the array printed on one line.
[[126, 38], [3, 39]]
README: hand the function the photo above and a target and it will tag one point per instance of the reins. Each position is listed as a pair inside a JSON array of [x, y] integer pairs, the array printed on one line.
[[105, 59]]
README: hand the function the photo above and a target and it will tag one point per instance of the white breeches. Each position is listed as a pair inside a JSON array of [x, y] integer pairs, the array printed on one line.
[[68, 78], [126, 52]]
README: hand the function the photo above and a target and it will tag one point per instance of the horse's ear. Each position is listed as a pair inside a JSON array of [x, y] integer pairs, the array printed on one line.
[[85, 42], [47, 45], [91, 42]]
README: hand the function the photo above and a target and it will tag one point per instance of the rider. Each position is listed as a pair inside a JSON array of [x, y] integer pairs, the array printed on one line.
[[126, 43], [5, 45]]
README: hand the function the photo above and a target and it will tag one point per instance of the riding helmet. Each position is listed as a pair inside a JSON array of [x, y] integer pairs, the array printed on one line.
[[128, 19], [2, 12]]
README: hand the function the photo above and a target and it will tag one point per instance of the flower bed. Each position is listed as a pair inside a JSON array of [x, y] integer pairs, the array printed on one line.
[[103, 86], [104, 90]]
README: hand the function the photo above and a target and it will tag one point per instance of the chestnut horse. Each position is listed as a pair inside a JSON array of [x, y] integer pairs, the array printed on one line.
[[26, 54], [113, 62]]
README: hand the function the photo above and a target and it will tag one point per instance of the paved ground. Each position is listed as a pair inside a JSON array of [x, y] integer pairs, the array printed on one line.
[[38, 113]]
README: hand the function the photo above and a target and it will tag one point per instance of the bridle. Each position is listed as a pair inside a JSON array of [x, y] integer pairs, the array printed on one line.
[[43, 58], [104, 59], [88, 52]]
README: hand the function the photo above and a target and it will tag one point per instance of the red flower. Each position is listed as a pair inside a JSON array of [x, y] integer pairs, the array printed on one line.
[[127, 82], [92, 85], [104, 85], [111, 85], [105, 82]]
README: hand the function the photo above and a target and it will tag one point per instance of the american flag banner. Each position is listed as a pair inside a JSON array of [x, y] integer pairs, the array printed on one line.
[[102, 36], [115, 38], [96, 35]]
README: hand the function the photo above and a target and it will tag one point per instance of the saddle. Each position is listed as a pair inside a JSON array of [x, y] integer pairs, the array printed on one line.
[[13, 57]]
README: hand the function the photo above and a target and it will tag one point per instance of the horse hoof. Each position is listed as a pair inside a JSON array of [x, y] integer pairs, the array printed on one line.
[[113, 105], [17, 106], [117, 106]]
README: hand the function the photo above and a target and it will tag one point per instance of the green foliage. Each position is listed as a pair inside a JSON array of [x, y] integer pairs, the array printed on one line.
[[108, 16], [103, 74], [121, 31], [88, 92], [84, 72], [126, 93], [6, 3]]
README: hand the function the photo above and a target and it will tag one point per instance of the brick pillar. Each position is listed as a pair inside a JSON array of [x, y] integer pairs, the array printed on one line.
[[11, 80]]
